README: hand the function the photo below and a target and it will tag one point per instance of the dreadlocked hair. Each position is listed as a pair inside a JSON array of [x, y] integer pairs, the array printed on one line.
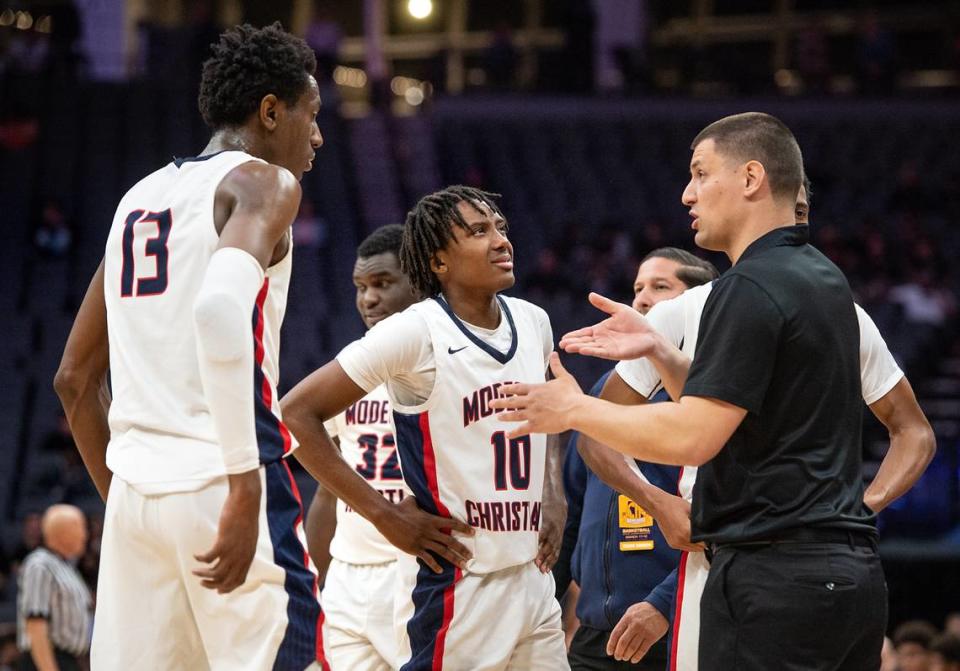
[[429, 228]]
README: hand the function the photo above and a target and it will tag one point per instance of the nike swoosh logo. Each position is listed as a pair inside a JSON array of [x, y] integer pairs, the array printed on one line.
[[450, 350]]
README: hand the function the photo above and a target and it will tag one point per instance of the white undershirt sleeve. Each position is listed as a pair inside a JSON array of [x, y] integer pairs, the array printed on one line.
[[879, 372], [667, 317]]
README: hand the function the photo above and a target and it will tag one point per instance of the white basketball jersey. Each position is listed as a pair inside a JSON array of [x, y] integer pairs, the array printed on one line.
[[365, 431], [162, 436], [455, 454]]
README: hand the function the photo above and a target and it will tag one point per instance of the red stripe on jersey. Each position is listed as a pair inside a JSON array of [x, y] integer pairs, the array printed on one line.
[[321, 658], [447, 619], [266, 392], [430, 466], [258, 331], [681, 579]]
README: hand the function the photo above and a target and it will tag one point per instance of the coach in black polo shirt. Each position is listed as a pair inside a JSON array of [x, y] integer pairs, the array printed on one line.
[[770, 411]]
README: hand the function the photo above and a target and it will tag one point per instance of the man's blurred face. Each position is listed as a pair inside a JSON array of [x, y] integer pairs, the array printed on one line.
[[656, 281], [913, 657]]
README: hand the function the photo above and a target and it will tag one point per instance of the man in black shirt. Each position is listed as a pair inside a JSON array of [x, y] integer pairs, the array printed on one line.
[[770, 410]]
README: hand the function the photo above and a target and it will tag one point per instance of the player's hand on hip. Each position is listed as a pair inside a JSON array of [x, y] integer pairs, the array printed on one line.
[[232, 553], [424, 535], [639, 628], [543, 408], [625, 334], [673, 516]]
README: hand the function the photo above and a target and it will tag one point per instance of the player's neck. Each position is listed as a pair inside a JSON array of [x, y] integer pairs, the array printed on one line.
[[230, 139], [478, 310]]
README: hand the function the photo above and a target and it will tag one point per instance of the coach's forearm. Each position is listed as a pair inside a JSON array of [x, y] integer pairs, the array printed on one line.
[[672, 365], [661, 433]]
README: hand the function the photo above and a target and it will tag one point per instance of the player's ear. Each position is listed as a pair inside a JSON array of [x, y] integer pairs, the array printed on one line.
[[438, 265], [269, 111]]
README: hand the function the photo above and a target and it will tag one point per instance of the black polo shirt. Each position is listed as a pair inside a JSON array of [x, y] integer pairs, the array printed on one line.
[[779, 338]]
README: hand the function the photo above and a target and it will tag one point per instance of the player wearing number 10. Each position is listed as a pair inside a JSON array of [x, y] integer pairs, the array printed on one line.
[[487, 605], [185, 310]]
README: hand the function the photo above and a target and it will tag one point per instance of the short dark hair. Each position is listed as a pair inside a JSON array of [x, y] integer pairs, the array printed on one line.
[[428, 229], [247, 64], [920, 632], [947, 646], [807, 188], [693, 270], [385, 239], [755, 136]]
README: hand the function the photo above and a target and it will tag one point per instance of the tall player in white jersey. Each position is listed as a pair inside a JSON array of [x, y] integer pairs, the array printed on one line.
[[202, 563], [443, 361], [358, 587], [676, 323]]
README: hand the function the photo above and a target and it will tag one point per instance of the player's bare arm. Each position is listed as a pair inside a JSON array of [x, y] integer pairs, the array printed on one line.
[[81, 383], [319, 527], [912, 446], [253, 209], [671, 512], [689, 432], [326, 393], [554, 507]]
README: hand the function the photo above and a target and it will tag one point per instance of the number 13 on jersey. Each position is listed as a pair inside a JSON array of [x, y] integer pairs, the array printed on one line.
[[155, 246]]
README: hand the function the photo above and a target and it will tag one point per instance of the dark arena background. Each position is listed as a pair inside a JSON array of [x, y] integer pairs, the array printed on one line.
[[580, 113]]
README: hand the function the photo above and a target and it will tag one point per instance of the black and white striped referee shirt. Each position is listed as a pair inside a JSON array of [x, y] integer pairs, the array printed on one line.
[[52, 588]]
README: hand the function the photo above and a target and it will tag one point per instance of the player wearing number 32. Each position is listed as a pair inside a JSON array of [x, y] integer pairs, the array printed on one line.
[[486, 601], [356, 564], [202, 564]]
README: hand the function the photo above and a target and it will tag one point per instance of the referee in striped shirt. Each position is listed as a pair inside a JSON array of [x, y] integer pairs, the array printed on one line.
[[53, 602]]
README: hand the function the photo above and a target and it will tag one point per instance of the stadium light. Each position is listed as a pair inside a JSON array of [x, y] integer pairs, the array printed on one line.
[[420, 9]]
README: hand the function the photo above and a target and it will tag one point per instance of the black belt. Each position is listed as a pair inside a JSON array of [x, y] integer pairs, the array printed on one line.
[[800, 536]]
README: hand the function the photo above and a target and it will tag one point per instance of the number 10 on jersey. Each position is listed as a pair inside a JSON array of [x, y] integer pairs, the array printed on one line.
[[517, 452]]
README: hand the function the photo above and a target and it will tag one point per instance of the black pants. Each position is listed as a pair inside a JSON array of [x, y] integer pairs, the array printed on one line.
[[65, 661], [588, 652], [793, 607]]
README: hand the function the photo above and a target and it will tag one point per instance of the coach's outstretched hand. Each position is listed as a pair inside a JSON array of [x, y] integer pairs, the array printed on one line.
[[421, 534], [232, 552], [543, 408], [624, 335]]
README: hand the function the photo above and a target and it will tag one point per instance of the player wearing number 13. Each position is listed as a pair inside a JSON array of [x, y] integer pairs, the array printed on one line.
[[186, 311]]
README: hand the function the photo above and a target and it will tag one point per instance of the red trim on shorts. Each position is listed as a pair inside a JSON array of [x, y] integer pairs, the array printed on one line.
[[447, 619], [321, 658], [681, 576]]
